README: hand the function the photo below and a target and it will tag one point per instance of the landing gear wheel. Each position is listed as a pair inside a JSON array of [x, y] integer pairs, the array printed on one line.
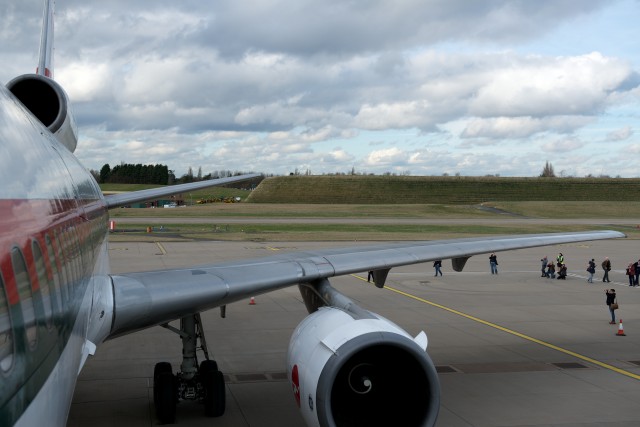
[[208, 365], [157, 370], [165, 396], [213, 383]]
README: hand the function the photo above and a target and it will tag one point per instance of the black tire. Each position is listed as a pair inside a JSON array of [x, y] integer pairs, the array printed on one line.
[[165, 400], [157, 370], [161, 367], [208, 365], [215, 398]]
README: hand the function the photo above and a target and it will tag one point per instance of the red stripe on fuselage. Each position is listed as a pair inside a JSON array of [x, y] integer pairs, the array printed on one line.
[[24, 220]]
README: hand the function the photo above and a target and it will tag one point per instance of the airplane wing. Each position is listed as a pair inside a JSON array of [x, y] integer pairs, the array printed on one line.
[[346, 365], [122, 199], [149, 298]]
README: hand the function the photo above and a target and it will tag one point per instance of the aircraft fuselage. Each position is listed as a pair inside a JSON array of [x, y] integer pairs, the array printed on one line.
[[52, 236]]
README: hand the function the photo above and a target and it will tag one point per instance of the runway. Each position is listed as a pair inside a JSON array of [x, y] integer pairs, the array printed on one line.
[[512, 349]]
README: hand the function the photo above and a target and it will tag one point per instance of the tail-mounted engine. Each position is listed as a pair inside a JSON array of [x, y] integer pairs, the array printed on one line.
[[354, 370], [49, 103]]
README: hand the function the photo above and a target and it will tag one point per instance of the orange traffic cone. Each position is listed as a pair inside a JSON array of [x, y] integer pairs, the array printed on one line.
[[252, 301], [620, 330]]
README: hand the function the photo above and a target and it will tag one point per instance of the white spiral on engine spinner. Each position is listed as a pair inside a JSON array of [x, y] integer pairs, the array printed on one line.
[[360, 383]]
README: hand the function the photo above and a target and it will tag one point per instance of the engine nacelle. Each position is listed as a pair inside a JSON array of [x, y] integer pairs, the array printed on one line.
[[348, 371], [49, 103]]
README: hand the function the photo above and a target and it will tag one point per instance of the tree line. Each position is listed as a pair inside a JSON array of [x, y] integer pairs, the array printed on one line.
[[126, 173]]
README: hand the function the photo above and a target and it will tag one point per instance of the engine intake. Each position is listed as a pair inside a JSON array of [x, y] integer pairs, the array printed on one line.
[[49, 103], [348, 371]]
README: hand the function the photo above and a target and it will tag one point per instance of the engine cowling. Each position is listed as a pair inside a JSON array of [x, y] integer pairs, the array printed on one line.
[[348, 371], [49, 103]]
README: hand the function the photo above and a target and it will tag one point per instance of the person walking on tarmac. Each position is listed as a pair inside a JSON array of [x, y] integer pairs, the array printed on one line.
[[493, 261], [611, 298], [591, 268], [437, 264], [560, 260], [606, 266]]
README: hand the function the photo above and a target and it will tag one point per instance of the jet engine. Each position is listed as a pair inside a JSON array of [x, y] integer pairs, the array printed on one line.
[[351, 369], [49, 103]]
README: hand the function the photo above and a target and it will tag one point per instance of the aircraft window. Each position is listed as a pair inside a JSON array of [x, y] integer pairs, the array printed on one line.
[[63, 267], [26, 296], [56, 274], [71, 261], [45, 285], [75, 248], [6, 334]]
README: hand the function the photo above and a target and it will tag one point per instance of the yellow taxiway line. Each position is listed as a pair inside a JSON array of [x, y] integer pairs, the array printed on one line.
[[512, 332]]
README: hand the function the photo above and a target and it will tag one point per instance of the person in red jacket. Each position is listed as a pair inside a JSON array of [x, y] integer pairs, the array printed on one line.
[[631, 273]]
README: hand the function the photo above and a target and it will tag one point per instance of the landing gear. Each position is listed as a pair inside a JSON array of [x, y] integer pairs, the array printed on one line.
[[213, 383], [164, 393], [204, 383]]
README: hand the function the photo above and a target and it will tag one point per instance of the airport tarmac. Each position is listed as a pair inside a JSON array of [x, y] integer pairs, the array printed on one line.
[[512, 349]]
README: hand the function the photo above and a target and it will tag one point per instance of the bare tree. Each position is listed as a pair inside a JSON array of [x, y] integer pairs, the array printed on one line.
[[548, 172]]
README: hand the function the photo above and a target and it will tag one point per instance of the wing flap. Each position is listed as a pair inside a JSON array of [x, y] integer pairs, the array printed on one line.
[[149, 298]]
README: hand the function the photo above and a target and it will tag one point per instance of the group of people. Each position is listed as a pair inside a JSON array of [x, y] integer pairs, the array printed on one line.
[[633, 272], [549, 268]]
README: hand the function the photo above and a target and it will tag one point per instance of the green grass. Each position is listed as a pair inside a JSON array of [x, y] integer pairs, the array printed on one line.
[[336, 232], [295, 210], [572, 209], [362, 189], [401, 197]]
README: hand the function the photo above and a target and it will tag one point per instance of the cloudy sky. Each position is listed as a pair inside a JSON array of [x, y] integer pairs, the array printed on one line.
[[403, 86]]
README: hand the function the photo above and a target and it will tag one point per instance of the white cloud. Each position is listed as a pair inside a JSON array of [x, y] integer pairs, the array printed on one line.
[[542, 86], [522, 127], [563, 145], [386, 157], [620, 134], [437, 86]]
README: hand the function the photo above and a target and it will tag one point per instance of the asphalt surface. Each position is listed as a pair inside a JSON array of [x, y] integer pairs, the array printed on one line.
[[512, 349]]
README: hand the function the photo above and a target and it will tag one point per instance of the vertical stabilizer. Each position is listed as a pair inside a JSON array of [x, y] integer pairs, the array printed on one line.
[[45, 63]]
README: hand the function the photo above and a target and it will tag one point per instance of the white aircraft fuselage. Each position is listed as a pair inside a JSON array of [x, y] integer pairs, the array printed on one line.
[[52, 253]]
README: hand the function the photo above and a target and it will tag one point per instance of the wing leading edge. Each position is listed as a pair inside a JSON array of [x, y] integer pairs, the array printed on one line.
[[150, 298], [122, 199]]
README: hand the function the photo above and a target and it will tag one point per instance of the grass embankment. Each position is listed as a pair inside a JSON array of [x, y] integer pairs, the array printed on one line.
[[365, 189], [401, 197], [471, 221]]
